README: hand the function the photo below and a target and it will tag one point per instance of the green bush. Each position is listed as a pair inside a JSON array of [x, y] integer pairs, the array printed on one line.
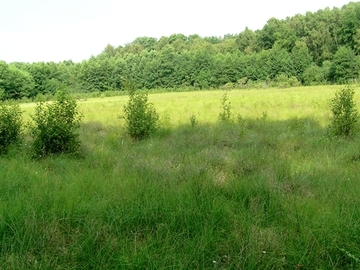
[[225, 114], [55, 125], [282, 81], [227, 86], [344, 113], [293, 81], [10, 126], [193, 120], [140, 116], [314, 75]]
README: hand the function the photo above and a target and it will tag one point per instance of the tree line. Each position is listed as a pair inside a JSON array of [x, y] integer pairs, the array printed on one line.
[[320, 47]]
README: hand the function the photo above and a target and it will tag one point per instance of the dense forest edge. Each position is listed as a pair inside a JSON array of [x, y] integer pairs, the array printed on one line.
[[311, 49]]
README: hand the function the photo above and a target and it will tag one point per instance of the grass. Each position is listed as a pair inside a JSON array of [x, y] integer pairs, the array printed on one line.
[[268, 192]]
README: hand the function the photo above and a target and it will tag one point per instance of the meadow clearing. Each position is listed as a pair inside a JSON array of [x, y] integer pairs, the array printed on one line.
[[267, 190]]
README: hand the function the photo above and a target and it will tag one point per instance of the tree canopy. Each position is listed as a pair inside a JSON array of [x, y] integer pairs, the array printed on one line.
[[313, 48]]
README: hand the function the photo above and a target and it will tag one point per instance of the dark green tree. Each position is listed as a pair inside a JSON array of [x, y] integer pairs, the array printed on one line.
[[313, 75], [15, 83], [349, 25], [301, 59], [345, 65]]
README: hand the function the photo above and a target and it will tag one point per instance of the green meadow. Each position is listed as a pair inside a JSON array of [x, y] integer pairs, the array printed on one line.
[[266, 190]]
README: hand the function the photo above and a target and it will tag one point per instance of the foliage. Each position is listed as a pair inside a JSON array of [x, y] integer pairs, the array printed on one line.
[[225, 114], [10, 126], [141, 117], [344, 113], [193, 120], [345, 65], [313, 75], [301, 46], [54, 130], [14, 83], [301, 58]]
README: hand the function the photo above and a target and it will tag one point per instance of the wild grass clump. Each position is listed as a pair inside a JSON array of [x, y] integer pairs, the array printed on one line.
[[344, 113], [10, 126], [54, 130], [141, 118]]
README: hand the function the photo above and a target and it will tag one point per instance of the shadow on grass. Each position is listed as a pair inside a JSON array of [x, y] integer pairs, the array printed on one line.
[[237, 148]]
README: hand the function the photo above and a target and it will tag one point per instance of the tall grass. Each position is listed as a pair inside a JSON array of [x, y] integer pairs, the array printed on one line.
[[268, 192]]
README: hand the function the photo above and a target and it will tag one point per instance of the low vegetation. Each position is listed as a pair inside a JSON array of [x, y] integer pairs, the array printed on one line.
[[54, 126], [10, 126], [141, 117], [345, 115], [225, 114], [269, 191]]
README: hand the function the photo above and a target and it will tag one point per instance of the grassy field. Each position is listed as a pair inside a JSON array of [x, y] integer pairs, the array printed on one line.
[[268, 190]]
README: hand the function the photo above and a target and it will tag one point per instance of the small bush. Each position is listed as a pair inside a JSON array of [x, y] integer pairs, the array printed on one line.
[[227, 86], [193, 120], [293, 81], [10, 126], [344, 113], [55, 125], [282, 81], [141, 117], [225, 115], [242, 83]]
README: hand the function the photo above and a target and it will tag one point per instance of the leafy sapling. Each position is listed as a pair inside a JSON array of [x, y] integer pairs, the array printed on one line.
[[54, 127], [141, 117], [345, 115], [225, 114], [10, 126]]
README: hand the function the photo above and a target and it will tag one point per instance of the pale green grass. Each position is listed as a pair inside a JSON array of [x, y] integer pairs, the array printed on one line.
[[268, 192], [278, 104]]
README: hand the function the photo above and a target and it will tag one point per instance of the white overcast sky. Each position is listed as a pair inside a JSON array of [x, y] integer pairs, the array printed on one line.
[[57, 30]]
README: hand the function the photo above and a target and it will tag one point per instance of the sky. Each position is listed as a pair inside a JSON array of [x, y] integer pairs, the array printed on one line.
[[58, 30]]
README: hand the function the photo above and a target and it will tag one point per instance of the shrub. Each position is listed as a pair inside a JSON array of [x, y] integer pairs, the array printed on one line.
[[10, 126], [141, 117], [282, 80], [227, 86], [344, 113], [314, 75], [242, 83], [55, 125], [225, 115], [293, 81], [193, 120]]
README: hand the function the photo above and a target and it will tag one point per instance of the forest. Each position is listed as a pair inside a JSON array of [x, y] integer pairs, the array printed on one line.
[[315, 48]]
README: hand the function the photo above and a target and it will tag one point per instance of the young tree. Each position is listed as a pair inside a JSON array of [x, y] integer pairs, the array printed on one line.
[[10, 126], [141, 117], [55, 125], [345, 65], [344, 113]]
